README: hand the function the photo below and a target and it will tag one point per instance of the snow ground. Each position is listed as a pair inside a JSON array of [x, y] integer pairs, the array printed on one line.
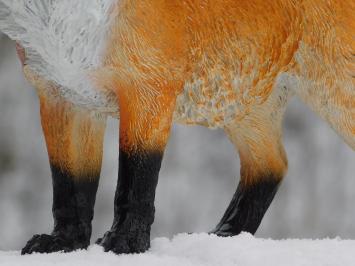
[[203, 249]]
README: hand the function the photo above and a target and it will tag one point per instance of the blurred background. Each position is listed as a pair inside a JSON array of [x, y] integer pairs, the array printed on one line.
[[198, 178]]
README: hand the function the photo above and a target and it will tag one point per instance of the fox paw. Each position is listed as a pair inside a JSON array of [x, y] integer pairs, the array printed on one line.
[[49, 243], [124, 243]]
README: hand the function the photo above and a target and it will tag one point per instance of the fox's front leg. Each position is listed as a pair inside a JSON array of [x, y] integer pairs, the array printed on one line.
[[145, 121], [74, 140]]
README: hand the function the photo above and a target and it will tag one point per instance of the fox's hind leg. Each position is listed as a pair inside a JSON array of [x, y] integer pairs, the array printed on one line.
[[263, 165], [74, 139]]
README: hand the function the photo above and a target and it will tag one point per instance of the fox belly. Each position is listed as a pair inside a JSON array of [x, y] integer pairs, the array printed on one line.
[[222, 102]]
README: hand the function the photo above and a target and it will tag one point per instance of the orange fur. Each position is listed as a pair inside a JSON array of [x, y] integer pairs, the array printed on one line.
[[258, 139], [74, 137], [146, 118], [218, 63], [156, 47]]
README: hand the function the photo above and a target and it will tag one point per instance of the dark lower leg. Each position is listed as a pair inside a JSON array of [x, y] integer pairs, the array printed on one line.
[[74, 139], [145, 122], [134, 203], [73, 209], [247, 208], [73, 206]]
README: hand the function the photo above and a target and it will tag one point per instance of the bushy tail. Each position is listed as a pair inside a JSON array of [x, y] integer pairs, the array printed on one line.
[[63, 39]]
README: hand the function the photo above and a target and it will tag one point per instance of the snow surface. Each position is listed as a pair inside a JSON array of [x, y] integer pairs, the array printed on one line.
[[204, 249]]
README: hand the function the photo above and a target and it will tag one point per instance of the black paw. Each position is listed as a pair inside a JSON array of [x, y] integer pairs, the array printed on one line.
[[124, 243], [223, 231], [51, 243]]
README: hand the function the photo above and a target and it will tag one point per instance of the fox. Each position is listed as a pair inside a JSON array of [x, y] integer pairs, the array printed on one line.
[[228, 64]]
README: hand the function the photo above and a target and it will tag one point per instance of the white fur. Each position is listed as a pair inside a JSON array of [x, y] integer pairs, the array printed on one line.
[[63, 39]]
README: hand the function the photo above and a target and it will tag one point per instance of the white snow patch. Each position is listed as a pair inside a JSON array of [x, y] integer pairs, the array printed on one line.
[[204, 249]]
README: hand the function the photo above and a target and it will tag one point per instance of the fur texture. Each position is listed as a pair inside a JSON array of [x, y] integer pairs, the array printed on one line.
[[62, 47]]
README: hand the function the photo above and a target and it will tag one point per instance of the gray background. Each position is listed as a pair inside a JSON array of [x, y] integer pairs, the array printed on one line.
[[199, 175]]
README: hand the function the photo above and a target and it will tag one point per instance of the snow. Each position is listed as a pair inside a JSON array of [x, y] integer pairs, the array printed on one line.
[[204, 249]]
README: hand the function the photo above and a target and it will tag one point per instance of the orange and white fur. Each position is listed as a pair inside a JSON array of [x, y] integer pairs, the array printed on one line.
[[230, 64]]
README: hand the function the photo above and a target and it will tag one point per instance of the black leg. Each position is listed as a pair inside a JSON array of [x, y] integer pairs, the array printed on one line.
[[247, 208], [134, 203], [146, 114], [263, 164], [73, 209], [74, 139]]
